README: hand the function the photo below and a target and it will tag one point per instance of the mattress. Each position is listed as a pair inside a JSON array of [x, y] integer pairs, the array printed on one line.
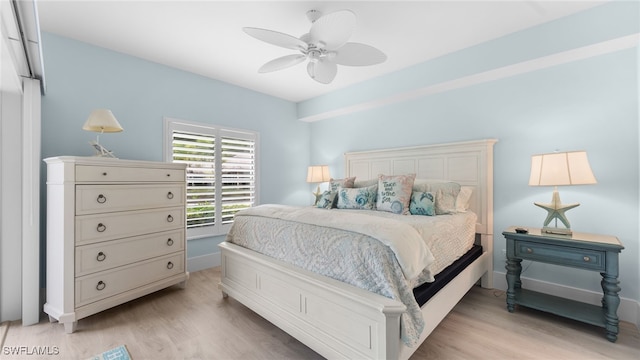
[[425, 291], [357, 257]]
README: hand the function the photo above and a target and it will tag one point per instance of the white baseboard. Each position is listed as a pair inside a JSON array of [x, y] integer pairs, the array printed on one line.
[[202, 262], [629, 309]]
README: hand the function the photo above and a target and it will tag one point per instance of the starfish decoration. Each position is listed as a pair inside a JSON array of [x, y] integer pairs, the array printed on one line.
[[317, 195], [556, 210]]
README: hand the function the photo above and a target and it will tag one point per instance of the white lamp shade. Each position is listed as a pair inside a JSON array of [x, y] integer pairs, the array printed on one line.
[[318, 174], [102, 120], [562, 168]]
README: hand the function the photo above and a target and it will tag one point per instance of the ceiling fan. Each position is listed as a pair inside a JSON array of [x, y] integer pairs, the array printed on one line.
[[325, 45]]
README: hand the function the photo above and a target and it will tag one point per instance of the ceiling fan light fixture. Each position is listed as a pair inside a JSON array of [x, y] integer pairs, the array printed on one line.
[[325, 45], [313, 15]]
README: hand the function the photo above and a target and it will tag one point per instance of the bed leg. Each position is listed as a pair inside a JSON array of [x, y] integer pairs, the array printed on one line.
[[486, 281], [224, 293]]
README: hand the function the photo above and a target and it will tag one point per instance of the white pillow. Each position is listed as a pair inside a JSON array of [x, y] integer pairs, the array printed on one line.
[[462, 200]]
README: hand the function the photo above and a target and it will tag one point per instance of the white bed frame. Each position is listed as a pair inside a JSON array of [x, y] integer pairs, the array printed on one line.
[[338, 320]]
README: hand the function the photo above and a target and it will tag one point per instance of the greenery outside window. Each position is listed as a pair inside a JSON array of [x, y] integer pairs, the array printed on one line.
[[222, 172]]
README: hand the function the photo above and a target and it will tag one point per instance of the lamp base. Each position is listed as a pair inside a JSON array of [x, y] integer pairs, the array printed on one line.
[[556, 231], [556, 211], [317, 196], [101, 151]]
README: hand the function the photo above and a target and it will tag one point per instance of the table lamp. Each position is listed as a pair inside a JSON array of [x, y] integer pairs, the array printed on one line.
[[318, 174], [101, 121], [557, 169]]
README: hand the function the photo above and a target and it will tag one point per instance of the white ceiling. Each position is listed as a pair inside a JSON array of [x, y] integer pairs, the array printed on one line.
[[206, 37]]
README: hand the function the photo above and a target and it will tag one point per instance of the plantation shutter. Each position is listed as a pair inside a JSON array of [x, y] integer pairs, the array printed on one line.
[[237, 174], [222, 173], [198, 152]]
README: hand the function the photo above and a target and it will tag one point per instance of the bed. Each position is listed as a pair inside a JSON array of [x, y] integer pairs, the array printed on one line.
[[339, 320]]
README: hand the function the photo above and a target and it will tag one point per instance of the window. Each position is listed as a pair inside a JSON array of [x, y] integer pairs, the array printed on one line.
[[222, 172]]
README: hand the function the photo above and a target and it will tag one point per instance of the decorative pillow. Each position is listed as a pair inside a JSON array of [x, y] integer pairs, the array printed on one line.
[[446, 195], [327, 199], [334, 184], [462, 201], [365, 183], [422, 203], [394, 193], [357, 198]]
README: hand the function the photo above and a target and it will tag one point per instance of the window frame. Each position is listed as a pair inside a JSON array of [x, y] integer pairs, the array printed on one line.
[[218, 132]]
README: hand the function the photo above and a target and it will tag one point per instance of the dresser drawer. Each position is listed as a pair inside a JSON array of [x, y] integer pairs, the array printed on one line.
[[101, 285], [110, 254], [109, 226], [87, 173], [561, 255], [92, 199]]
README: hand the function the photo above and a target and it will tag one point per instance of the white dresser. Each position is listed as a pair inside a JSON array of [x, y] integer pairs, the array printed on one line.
[[115, 231]]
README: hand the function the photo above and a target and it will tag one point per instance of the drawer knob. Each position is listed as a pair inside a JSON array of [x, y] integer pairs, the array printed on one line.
[[101, 199], [529, 251], [170, 241], [101, 256], [101, 227], [169, 265], [168, 175], [586, 259], [170, 218], [101, 285], [169, 195], [104, 174]]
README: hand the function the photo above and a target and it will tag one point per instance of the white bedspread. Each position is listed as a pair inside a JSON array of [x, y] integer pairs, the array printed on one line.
[[345, 245], [407, 244]]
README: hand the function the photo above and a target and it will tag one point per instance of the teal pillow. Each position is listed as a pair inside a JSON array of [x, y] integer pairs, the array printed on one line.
[[445, 192], [422, 203], [327, 200], [357, 198]]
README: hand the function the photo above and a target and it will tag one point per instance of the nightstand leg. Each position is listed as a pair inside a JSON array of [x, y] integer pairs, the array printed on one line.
[[514, 268], [610, 303]]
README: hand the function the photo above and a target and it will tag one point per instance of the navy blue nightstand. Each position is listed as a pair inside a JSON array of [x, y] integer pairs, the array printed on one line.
[[580, 250]]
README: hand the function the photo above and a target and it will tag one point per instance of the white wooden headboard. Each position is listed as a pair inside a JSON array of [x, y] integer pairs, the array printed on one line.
[[468, 163]]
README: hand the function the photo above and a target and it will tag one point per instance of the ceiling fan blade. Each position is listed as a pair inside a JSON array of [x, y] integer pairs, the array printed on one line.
[[322, 71], [331, 31], [276, 38], [282, 63], [356, 54]]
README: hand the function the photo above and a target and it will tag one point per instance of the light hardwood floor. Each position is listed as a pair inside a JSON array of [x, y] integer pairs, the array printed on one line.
[[197, 323]]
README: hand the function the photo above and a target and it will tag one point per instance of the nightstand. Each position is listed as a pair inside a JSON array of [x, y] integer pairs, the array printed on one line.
[[580, 250]]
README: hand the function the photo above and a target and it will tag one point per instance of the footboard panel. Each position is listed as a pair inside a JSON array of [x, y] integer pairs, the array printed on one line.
[[335, 319]]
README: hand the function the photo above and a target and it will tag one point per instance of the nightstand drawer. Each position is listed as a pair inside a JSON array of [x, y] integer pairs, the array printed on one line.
[[561, 255]]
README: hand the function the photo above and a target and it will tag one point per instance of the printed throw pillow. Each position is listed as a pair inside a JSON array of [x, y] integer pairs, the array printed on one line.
[[358, 198], [394, 193], [334, 184], [422, 203], [327, 199]]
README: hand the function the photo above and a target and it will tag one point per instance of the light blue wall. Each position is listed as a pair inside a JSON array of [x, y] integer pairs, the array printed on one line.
[[589, 104], [81, 77]]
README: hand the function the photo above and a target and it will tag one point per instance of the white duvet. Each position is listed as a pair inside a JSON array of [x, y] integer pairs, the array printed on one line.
[[404, 240], [374, 250]]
